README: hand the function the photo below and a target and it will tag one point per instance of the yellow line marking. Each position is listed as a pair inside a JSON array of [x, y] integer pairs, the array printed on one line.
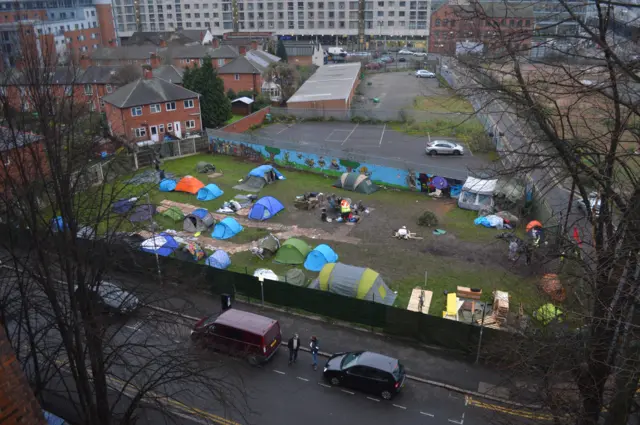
[[501, 409]]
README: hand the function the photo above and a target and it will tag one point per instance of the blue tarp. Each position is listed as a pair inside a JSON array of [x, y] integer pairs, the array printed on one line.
[[264, 169], [209, 193], [219, 260], [321, 255], [165, 249], [265, 208], [226, 229], [53, 419], [168, 185], [123, 206]]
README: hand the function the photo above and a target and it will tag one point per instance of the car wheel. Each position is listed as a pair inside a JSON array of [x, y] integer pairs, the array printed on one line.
[[457, 153], [432, 153], [386, 395], [335, 380]]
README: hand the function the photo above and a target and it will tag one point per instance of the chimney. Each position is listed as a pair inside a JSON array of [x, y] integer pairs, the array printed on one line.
[[154, 61], [85, 62], [242, 50], [215, 43], [147, 73], [254, 45]]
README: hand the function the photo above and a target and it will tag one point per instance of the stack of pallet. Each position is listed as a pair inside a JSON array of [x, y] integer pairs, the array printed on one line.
[[501, 305]]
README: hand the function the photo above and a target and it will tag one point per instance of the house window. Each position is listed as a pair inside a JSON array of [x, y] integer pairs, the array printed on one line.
[[109, 88], [236, 77], [188, 104], [136, 112], [140, 132], [191, 124], [220, 62], [155, 108], [88, 90], [68, 91], [161, 128], [170, 106], [169, 126]]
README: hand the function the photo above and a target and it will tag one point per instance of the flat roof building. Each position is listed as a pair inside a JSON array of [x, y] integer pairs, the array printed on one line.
[[331, 87]]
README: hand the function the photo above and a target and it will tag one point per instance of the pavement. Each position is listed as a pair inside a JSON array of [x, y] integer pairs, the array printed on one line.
[[377, 144], [395, 90]]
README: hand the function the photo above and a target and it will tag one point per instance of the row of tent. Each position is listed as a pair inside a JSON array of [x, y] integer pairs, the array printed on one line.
[[166, 245], [295, 251], [192, 185]]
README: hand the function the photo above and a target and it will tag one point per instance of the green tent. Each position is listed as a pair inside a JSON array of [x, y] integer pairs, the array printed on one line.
[[356, 182], [293, 251], [174, 213], [548, 313], [295, 277]]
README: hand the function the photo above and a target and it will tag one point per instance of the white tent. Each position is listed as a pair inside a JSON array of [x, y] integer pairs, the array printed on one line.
[[477, 194]]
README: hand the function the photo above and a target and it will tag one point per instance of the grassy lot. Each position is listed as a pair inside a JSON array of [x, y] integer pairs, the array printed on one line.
[[443, 104], [466, 256], [234, 118]]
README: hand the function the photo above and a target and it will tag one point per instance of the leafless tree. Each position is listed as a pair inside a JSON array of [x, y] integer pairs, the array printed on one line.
[[127, 74], [286, 76], [570, 104], [59, 233]]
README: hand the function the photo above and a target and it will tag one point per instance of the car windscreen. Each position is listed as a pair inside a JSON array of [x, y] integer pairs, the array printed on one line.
[[398, 371], [350, 359]]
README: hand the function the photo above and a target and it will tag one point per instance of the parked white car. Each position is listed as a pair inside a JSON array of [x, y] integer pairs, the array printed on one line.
[[443, 147], [112, 298], [594, 204], [423, 73], [421, 54], [405, 52]]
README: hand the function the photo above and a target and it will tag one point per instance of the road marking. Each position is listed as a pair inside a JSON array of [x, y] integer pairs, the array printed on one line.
[[348, 392], [354, 129], [324, 385], [373, 399], [286, 128], [135, 327], [460, 422], [399, 407], [302, 379], [279, 371], [516, 412], [382, 135], [427, 414]]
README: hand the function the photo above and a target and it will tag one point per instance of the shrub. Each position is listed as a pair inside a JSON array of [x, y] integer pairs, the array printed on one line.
[[428, 219]]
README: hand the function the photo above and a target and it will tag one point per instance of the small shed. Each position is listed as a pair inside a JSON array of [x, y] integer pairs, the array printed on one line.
[[241, 106]]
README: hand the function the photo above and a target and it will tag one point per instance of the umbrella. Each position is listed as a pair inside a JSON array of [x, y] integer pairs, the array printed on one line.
[[440, 183], [532, 224]]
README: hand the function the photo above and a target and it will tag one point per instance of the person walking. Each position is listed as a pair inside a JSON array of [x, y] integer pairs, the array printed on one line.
[[294, 346], [315, 348]]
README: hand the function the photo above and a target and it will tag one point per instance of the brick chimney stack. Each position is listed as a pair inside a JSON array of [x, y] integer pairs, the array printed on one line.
[[215, 43]]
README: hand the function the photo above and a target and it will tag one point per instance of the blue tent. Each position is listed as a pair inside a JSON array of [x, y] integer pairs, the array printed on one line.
[[209, 193], [162, 244], [263, 170], [265, 208], [123, 206], [226, 229], [57, 224], [321, 255], [168, 185], [219, 260]]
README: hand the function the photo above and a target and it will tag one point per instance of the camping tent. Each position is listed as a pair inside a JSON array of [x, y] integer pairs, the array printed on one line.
[[219, 259], [269, 244], [351, 281], [295, 277], [258, 178], [86, 232], [174, 213], [205, 167], [321, 255], [477, 194], [142, 212], [293, 251], [162, 244], [198, 220], [168, 185], [226, 229], [189, 184], [265, 208], [57, 224], [123, 206], [356, 182], [265, 274], [209, 193]]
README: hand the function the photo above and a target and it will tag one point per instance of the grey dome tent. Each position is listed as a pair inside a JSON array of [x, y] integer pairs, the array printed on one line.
[[356, 182], [258, 178], [269, 244], [198, 221], [205, 167], [295, 277], [352, 281]]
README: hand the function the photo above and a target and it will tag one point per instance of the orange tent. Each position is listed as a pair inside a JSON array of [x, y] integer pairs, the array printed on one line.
[[189, 184], [531, 225]]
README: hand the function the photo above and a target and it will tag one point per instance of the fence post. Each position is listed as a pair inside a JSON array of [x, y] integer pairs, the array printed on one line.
[[194, 146], [135, 160], [179, 151], [101, 173]]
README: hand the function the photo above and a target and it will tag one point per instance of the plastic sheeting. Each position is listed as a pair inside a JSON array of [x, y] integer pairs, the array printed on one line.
[[490, 221]]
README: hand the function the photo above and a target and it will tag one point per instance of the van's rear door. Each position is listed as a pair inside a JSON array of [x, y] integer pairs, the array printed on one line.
[[272, 339]]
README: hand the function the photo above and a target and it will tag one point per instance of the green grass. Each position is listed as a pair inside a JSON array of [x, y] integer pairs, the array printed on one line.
[[443, 104], [234, 118]]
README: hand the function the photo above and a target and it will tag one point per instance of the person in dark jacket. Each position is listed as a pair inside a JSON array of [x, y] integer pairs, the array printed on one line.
[[294, 346], [315, 348]]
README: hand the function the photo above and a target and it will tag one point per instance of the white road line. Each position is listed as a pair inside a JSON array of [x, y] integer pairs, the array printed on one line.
[[374, 399], [279, 371], [456, 422], [324, 385], [382, 135], [354, 129], [302, 379], [348, 392], [286, 128], [427, 414], [399, 407]]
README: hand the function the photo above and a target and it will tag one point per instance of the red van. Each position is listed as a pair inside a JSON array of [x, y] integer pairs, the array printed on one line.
[[239, 333]]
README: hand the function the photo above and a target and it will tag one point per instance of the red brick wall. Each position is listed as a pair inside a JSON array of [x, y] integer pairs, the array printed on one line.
[[10, 16], [106, 25], [245, 123], [19, 406], [17, 163], [245, 82], [75, 46]]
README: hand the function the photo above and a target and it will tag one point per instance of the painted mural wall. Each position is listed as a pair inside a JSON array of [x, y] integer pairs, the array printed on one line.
[[333, 166]]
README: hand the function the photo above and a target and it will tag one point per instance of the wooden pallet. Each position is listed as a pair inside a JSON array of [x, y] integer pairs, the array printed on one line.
[[414, 301]]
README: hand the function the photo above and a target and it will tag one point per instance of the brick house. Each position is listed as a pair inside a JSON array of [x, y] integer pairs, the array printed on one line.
[[304, 53], [245, 73], [20, 153], [150, 109], [486, 23]]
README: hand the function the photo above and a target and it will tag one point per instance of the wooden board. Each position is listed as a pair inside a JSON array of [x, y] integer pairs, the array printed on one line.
[[414, 301], [214, 175]]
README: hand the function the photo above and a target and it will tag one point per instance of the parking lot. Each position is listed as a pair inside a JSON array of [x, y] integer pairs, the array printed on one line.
[[396, 90]]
